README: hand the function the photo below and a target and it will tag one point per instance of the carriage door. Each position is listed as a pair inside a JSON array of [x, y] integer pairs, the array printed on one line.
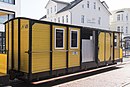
[[88, 46]]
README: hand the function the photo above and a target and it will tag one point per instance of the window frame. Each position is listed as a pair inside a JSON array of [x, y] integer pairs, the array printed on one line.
[[118, 17], [77, 39], [63, 19], [8, 1], [82, 19], [94, 5], [88, 4], [55, 8], [59, 19], [67, 18], [60, 48]]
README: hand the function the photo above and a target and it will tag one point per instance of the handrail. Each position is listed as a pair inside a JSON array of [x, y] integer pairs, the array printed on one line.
[[51, 51]]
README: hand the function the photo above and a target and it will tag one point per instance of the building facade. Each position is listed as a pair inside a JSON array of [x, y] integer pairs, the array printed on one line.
[[8, 10], [88, 13], [120, 21]]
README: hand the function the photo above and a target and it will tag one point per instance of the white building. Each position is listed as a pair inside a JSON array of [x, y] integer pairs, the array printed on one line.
[[8, 9], [120, 21], [88, 13]]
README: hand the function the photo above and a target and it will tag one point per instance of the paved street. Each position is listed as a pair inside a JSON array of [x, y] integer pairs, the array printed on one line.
[[119, 77]]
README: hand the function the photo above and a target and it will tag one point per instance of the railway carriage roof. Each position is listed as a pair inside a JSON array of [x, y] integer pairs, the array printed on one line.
[[69, 25]]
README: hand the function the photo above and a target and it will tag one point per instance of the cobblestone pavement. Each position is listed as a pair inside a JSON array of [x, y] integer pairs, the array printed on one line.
[[119, 77]]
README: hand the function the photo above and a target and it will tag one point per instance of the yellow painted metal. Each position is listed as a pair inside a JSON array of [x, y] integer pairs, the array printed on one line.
[[74, 53], [117, 48], [40, 47], [58, 55], [121, 53], [24, 44], [108, 47], [10, 44], [15, 44], [101, 47], [3, 63]]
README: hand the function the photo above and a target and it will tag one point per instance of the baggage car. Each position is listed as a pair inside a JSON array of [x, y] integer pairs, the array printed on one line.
[[39, 49]]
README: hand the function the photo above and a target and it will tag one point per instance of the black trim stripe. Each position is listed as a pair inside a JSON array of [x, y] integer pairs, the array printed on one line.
[[81, 30], [12, 44], [51, 49], [19, 33], [110, 45], [2, 37], [30, 51], [67, 53], [113, 47], [96, 46]]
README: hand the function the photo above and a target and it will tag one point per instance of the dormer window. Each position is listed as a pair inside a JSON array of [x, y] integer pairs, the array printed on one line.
[[118, 17], [83, 6], [99, 8], [94, 5], [55, 8], [47, 11], [87, 4], [51, 9]]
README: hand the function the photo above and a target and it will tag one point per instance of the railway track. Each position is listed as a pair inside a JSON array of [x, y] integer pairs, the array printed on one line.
[[67, 78]]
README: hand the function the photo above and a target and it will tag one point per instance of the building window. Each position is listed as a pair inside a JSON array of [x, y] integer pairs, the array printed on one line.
[[94, 5], [118, 28], [55, 20], [122, 29], [122, 17], [83, 6], [59, 38], [115, 40], [99, 8], [55, 8], [51, 9], [8, 1], [126, 30], [74, 38], [59, 19], [82, 18], [118, 17], [87, 4], [47, 11], [62, 19], [127, 17], [66, 18], [99, 20]]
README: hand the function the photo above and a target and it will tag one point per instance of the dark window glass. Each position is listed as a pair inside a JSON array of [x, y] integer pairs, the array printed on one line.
[[87, 4], [59, 38], [115, 41], [8, 1], [74, 38]]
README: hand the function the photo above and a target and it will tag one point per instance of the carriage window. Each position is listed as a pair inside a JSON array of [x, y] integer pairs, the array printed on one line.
[[115, 41], [74, 39], [59, 38]]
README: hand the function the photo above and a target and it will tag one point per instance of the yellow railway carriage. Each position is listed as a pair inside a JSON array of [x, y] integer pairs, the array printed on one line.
[[40, 49]]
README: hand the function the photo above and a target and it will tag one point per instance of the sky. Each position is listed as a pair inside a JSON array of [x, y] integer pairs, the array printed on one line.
[[36, 8]]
